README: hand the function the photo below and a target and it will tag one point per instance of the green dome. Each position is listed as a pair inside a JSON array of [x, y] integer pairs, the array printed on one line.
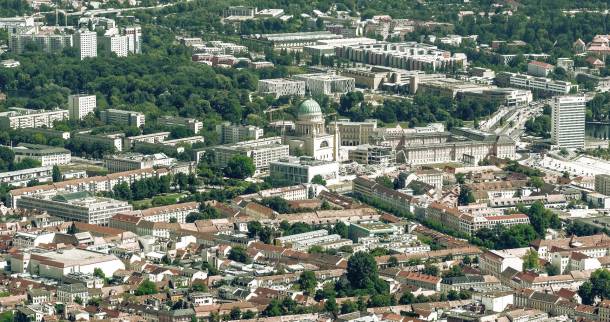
[[309, 107]]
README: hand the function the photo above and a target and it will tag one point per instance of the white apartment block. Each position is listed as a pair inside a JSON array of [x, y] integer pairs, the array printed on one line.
[[76, 206], [281, 87], [19, 118], [327, 84], [165, 213], [190, 123], [568, 121], [233, 133], [86, 43], [117, 44], [91, 184], [288, 240], [157, 137], [303, 170], [134, 161], [49, 43], [47, 155], [262, 151], [81, 105], [121, 117], [494, 262], [134, 39], [20, 178], [540, 84], [57, 264]]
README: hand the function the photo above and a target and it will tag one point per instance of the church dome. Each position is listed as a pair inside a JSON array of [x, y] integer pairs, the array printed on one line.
[[309, 108]]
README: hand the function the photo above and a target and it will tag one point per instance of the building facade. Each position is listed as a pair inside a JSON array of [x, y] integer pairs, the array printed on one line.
[[19, 118], [568, 121], [121, 117], [81, 105]]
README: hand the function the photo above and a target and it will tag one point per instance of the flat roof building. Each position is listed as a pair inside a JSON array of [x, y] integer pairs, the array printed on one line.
[[303, 170], [135, 161], [281, 87], [57, 264], [190, 123], [47, 155], [21, 178], [120, 117], [327, 84], [290, 41], [568, 121], [81, 105], [262, 151], [233, 133], [76, 206], [19, 118]]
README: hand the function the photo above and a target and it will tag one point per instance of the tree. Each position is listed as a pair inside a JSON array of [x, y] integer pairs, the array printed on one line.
[[173, 220], [146, 288], [598, 286], [430, 269], [330, 305], [536, 182], [98, 272], [278, 204], [340, 229], [235, 313], [248, 315], [56, 174], [385, 181], [318, 179], [531, 260], [455, 271], [308, 282], [239, 254], [362, 270], [240, 167], [407, 298], [78, 300], [466, 196], [392, 262]]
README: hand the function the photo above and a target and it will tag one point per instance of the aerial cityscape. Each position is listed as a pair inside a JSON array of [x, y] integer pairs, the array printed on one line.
[[305, 161]]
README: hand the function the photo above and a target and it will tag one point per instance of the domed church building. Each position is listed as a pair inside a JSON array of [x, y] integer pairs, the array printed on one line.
[[310, 134]]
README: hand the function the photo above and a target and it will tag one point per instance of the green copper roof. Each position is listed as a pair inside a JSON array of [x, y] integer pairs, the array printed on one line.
[[309, 107]]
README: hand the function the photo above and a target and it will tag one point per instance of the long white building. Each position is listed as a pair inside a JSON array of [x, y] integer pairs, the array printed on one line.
[[568, 121], [76, 206], [19, 118]]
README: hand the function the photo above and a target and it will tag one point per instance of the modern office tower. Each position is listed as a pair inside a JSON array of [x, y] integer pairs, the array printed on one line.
[[568, 121], [116, 44], [134, 39], [86, 43], [81, 105], [131, 118]]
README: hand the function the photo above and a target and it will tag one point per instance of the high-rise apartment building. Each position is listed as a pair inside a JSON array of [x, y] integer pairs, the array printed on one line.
[[602, 184], [568, 121], [86, 43], [116, 44], [134, 39], [81, 105]]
